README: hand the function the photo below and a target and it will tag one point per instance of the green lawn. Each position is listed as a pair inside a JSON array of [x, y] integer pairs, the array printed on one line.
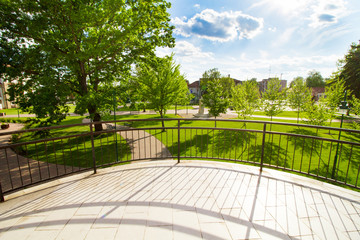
[[291, 152], [75, 151]]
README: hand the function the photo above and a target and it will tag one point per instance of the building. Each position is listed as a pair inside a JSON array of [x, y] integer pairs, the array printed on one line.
[[317, 92], [264, 83]]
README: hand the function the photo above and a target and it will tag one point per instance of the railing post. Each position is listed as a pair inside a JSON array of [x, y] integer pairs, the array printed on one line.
[[178, 141], [93, 146], [263, 148], [1, 194]]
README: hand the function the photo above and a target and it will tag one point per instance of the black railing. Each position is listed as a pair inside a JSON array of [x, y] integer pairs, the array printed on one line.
[[315, 151]]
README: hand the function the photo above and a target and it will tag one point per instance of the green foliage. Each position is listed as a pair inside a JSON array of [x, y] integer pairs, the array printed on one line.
[[334, 93], [207, 76], [349, 68], [315, 79], [273, 99], [317, 113], [215, 98], [355, 102], [298, 95], [60, 49], [245, 99], [162, 84]]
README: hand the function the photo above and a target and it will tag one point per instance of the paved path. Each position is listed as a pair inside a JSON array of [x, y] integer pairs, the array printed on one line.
[[188, 113], [17, 171], [190, 200], [142, 144]]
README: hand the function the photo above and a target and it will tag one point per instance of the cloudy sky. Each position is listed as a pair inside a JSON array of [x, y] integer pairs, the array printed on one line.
[[262, 38]]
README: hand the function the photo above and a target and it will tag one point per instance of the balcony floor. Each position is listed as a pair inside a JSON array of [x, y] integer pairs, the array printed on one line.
[[190, 200]]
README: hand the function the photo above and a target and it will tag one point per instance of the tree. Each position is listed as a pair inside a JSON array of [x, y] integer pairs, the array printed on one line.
[[215, 98], [315, 79], [207, 76], [298, 95], [355, 102], [273, 99], [63, 47], [334, 93], [317, 113], [349, 68], [227, 84], [161, 84], [245, 99]]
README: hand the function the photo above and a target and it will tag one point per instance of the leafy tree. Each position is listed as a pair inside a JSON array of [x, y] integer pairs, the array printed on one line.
[[161, 84], [227, 84], [298, 95], [245, 99], [273, 99], [334, 93], [315, 79], [350, 69], [355, 102], [207, 76], [62, 47], [317, 113], [215, 98]]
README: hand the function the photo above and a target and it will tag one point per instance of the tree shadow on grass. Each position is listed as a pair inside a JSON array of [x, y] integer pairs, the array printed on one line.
[[77, 151]]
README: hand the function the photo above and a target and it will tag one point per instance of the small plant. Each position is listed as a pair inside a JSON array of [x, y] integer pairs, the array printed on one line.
[[5, 126]]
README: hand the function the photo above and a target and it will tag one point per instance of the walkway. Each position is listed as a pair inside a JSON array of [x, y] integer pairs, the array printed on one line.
[[142, 144], [24, 170], [190, 200]]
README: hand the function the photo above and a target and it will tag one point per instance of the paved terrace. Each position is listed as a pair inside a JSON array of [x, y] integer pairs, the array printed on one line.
[[190, 200]]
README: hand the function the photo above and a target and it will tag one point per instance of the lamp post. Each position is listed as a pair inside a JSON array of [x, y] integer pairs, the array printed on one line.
[[116, 147], [342, 109]]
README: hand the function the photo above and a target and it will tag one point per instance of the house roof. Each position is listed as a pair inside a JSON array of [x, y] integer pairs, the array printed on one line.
[[195, 84]]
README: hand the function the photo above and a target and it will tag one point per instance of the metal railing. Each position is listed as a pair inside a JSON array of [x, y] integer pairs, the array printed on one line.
[[31, 158]]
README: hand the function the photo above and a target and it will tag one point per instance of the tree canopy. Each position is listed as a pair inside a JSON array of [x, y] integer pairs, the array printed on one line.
[[314, 79], [273, 98], [245, 98], [79, 48], [350, 69], [161, 84], [298, 95], [215, 98]]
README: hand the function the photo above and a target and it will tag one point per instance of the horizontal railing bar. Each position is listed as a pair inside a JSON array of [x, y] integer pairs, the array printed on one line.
[[47, 180], [314, 137]]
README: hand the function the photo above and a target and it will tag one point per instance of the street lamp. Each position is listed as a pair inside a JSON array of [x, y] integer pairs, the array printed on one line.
[[115, 106], [343, 108]]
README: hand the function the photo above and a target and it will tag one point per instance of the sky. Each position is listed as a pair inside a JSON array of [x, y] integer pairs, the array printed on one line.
[[262, 38]]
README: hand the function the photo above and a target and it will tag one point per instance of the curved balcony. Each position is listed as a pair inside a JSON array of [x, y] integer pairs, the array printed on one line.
[[178, 197]]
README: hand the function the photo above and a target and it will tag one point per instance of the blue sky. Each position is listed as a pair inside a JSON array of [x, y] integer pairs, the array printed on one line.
[[262, 38]]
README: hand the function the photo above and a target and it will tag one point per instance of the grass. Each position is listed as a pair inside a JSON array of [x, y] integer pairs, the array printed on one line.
[[307, 155], [74, 151], [179, 107]]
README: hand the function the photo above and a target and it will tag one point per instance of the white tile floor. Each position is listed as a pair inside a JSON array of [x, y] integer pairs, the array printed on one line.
[[190, 200]]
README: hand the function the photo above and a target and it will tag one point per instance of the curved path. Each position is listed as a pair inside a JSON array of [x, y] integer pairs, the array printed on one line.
[[190, 200], [143, 144], [17, 170]]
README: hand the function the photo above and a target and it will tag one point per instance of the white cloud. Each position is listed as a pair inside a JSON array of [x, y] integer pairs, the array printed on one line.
[[319, 13], [219, 26], [197, 6], [327, 12], [194, 62]]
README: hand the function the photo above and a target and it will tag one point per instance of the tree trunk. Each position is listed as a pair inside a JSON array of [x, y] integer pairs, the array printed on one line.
[[162, 120], [96, 118], [298, 113]]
